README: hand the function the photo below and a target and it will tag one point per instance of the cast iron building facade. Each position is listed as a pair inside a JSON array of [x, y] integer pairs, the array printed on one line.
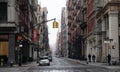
[[107, 29], [7, 28], [95, 25], [16, 28], [75, 30]]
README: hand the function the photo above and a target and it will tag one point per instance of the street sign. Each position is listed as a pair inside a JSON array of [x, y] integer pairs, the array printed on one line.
[[106, 41], [20, 45]]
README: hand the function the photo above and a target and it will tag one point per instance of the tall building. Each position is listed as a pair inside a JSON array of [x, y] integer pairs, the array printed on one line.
[[44, 30], [107, 29], [93, 28], [75, 32], [8, 30], [59, 51], [90, 27], [64, 42], [16, 27], [36, 33]]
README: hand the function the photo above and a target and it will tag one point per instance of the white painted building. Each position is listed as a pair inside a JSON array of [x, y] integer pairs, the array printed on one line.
[[107, 30]]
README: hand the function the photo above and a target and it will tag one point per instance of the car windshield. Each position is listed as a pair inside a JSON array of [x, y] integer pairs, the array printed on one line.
[[44, 57]]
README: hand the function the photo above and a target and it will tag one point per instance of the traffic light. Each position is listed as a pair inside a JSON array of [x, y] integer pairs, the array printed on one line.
[[55, 24], [19, 37], [19, 40]]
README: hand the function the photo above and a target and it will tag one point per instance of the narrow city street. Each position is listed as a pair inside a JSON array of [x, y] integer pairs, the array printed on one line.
[[59, 65], [76, 35]]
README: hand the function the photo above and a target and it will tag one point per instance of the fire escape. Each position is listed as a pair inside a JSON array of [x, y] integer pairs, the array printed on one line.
[[22, 8]]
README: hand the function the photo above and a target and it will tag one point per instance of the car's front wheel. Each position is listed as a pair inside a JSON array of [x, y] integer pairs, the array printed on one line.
[[48, 64]]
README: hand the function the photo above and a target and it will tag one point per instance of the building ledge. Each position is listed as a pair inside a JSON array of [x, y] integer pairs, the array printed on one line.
[[7, 25]]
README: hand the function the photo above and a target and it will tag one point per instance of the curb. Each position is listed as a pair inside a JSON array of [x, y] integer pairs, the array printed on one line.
[[105, 65]]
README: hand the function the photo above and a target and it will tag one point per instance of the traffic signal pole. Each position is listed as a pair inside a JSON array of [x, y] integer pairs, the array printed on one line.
[[38, 26], [45, 21]]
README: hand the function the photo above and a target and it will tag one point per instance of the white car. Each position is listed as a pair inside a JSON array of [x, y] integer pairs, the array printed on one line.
[[44, 61]]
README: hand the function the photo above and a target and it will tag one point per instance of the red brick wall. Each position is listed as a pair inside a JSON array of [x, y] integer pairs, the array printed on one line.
[[90, 15]]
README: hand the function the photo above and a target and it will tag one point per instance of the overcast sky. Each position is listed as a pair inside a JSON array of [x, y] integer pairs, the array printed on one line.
[[54, 11]]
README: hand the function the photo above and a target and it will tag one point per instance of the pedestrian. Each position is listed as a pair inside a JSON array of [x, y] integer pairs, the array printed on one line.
[[89, 57], [109, 59], [93, 58]]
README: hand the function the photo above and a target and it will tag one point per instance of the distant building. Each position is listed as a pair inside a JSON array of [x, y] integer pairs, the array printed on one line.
[[44, 31], [64, 39]]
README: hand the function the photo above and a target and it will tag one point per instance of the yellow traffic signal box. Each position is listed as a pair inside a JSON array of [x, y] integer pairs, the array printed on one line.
[[55, 24]]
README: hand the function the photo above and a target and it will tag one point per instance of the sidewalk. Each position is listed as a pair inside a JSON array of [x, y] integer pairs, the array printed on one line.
[[33, 63], [97, 64], [101, 65]]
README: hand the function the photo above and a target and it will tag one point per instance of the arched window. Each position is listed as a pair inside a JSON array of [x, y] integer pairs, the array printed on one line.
[[3, 11]]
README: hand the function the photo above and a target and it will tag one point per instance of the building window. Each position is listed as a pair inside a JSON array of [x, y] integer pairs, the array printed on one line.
[[106, 22], [3, 11], [119, 19]]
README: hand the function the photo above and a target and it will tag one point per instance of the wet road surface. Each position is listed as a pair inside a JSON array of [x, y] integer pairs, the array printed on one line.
[[58, 65]]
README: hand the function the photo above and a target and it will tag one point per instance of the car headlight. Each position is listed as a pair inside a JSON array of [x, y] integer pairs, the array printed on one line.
[[41, 62], [47, 61]]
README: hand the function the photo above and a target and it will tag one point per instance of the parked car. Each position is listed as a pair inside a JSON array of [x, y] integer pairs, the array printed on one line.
[[50, 58], [44, 61]]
